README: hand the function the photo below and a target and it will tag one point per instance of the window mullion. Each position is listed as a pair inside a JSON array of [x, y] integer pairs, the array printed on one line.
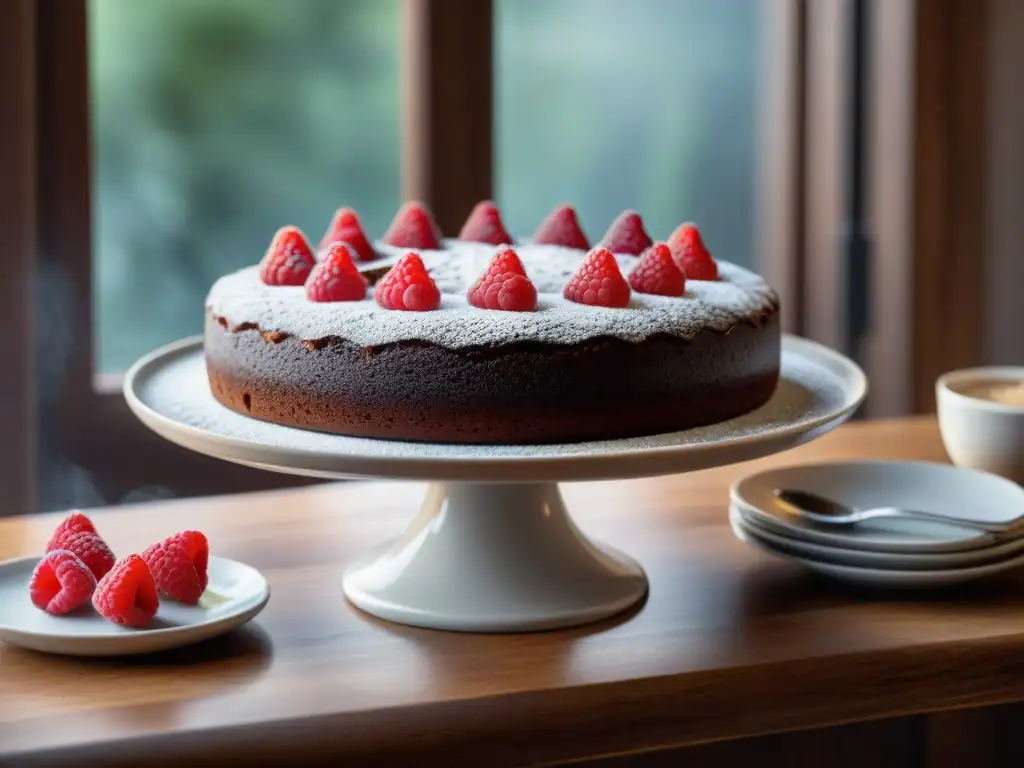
[[448, 101]]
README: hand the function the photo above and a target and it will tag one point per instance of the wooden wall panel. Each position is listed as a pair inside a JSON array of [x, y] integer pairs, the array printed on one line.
[[18, 235]]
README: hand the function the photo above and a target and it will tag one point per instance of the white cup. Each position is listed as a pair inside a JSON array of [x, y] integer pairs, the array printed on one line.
[[980, 433]]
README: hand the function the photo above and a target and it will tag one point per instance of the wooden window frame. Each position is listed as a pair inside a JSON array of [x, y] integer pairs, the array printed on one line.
[[927, 170], [447, 160]]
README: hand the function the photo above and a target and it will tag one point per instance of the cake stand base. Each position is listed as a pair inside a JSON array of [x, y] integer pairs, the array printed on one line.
[[494, 557]]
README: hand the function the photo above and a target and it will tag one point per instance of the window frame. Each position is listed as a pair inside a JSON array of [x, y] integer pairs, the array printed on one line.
[[447, 160], [18, 232]]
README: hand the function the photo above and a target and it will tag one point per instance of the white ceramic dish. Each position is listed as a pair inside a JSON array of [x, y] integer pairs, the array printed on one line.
[[859, 558], [878, 578], [493, 548], [937, 488], [236, 594], [979, 433]]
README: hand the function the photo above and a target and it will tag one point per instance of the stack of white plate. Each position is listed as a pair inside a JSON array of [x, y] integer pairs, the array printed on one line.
[[889, 552]]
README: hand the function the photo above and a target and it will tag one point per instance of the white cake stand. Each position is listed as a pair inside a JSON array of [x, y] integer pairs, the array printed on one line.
[[493, 548]]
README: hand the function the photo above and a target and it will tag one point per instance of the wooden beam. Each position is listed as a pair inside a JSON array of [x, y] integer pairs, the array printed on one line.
[[18, 461], [781, 167], [1004, 266], [826, 73], [890, 203], [447, 144], [64, 214], [947, 279]]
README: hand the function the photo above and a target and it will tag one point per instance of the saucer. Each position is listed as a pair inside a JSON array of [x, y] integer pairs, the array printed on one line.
[[936, 488], [236, 593], [860, 558], [878, 578]]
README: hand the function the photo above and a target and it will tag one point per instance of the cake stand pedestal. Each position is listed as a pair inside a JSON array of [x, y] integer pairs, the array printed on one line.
[[493, 548], [494, 557]]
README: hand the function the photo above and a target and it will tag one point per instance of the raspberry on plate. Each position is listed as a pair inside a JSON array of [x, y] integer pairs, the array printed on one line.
[[657, 273], [179, 564], [127, 595], [484, 225], [336, 278], [408, 286], [77, 534], [504, 285], [345, 227], [627, 235], [61, 582], [562, 227], [691, 254], [598, 282], [288, 260], [414, 227]]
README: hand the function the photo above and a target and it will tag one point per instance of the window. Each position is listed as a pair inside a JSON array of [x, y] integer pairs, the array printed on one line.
[[213, 124], [647, 104], [152, 145]]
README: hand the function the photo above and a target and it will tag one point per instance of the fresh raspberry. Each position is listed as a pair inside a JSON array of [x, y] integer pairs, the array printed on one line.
[[627, 235], [288, 260], [561, 227], [127, 595], [336, 278], [484, 226], [76, 522], [61, 582], [346, 228], [658, 273], [407, 286], [691, 254], [77, 534], [414, 227], [504, 285], [598, 281], [178, 565]]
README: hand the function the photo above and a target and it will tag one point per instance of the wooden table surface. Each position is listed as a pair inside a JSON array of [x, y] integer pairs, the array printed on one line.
[[729, 644]]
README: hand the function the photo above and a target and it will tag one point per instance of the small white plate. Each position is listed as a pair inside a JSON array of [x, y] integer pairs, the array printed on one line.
[[937, 488], [876, 577], [859, 558], [236, 593]]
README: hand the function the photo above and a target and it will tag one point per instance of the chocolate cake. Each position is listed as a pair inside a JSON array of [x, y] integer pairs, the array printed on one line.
[[562, 372]]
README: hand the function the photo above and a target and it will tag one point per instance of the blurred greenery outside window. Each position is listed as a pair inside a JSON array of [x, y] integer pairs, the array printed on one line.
[[217, 121]]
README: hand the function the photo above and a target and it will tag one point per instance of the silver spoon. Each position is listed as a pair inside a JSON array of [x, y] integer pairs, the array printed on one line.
[[819, 509]]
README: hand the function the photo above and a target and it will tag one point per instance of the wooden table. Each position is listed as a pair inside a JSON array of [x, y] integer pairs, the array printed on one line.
[[735, 658]]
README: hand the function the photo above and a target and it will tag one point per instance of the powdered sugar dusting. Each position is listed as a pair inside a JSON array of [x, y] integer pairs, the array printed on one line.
[[241, 298], [814, 388]]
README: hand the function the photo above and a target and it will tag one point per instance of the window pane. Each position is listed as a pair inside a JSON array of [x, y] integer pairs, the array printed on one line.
[[213, 124], [645, 104]]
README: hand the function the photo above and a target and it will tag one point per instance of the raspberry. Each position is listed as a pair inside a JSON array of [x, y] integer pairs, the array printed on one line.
[[627, 235], [77, 534], [288, 260], [61, 582], [484, 226], [127, 595], [598, 281], [658, 273], [76, 522], [504, 285], [691, 254], [414, 227], [407, 286], [561, 227], [178, 565], [345, 228], [336, 277]]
